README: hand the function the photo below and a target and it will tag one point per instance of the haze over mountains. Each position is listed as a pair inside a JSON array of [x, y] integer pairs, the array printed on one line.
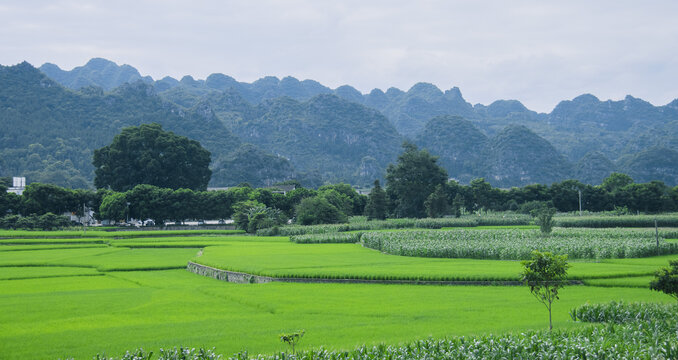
[[278, 129]]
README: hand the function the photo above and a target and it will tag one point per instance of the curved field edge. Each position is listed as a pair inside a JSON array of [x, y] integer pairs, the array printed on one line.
[[352, 261]]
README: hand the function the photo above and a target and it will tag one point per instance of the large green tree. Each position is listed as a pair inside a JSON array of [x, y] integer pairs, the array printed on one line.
[[113, 207], [412, 180], [376, 207], [147, 154], [43, 198]]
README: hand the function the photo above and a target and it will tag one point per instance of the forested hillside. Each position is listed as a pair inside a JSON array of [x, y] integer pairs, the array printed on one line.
[[307, 131], [49, 132]]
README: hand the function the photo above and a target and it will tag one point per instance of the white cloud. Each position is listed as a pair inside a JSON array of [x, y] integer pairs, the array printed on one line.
[[534, 51]]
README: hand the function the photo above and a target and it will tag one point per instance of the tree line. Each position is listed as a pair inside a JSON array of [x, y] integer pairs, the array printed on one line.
[[416, 187]]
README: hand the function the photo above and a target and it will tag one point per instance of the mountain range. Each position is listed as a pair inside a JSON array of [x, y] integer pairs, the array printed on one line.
[[274, 129]]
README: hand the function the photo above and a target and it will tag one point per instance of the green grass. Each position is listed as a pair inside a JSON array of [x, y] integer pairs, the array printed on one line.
[[193, 241], [103, 259], [81, 316], [637, 281], [50, 246], [46, 240], [26, 272], [111, 234], [355, 262], [75, 300]]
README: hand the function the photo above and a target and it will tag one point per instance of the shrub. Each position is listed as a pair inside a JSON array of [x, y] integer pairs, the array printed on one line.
[[317, 210], [666, 280]]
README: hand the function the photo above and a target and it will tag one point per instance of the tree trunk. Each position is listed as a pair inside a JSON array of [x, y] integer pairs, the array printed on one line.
[[550, 322]]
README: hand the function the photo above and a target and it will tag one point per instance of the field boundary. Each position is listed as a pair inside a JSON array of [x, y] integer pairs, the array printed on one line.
[[245, 278]]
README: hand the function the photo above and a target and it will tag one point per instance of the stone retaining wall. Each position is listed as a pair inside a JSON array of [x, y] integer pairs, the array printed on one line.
[[244, 278], [224, 275]]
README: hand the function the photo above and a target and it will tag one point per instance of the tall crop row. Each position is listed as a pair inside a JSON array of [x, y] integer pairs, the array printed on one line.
[[516, 245], [617, 221], [427, 223], [328, 238]]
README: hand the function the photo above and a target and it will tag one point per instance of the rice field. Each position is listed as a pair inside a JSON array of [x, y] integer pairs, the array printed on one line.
[[65, 299], [352, 261]]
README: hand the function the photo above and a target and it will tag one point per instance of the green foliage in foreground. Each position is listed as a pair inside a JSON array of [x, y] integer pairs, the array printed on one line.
[[518, 244], [666, 280], [180, 353], [647, 335], [621, 312]]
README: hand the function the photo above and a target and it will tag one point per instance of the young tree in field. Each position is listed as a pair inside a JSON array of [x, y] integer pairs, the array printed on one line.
[[292, 339], [666, 280], [376, 207], [543, 216], [411, 180], [545, 274]]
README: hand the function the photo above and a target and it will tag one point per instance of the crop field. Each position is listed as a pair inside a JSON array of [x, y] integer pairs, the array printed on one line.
[[97, 233], [352, 261], [63, 300], [513, 244]]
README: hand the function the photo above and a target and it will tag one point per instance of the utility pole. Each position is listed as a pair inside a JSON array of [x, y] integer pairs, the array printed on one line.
[[579, 202], [656, 234], [84, 219]]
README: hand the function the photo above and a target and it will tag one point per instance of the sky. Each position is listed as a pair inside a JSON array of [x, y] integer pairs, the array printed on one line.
[[537, 52]]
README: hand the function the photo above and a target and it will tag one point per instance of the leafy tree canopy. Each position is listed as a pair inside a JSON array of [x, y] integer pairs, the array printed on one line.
[[146, 154], [666, 280], [317, 210], [412, 180]]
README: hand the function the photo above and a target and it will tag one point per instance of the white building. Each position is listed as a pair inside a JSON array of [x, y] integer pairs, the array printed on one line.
[[18, 185]]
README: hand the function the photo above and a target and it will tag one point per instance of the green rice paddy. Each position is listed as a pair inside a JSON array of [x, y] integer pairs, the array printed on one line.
[[352, 261], [63, 299]]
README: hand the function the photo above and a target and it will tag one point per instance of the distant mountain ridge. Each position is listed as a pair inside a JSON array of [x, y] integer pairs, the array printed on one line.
[[50, 132], [615, 128], [316, 128], [97, 72]]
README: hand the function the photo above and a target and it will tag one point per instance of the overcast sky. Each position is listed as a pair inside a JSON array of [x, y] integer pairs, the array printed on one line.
[[538, 52]]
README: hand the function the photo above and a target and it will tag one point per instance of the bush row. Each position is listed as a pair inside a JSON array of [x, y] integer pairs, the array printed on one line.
[[46, 221]]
